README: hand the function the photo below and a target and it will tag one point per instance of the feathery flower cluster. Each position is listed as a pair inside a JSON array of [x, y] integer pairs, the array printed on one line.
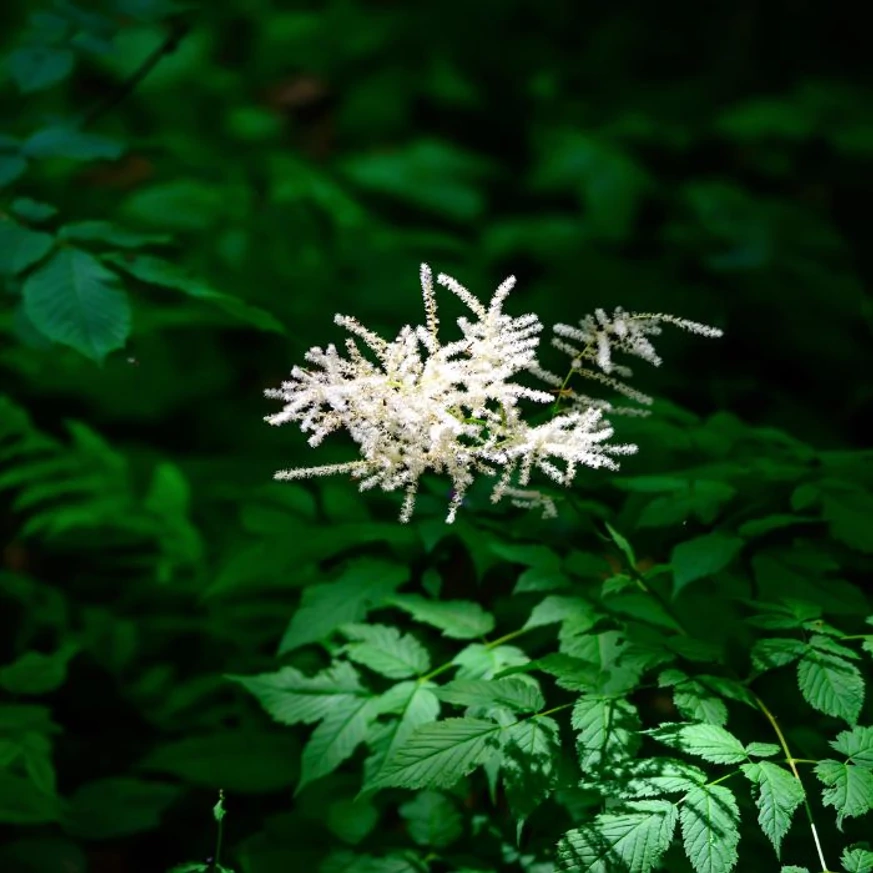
[[416, 406]]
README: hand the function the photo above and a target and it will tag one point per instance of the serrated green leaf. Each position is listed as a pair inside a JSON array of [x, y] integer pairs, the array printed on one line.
[[21, 247], [632, 841], [608, 731], [362, 586], [513, 693], [556, 609], [791, 868], [438, 755], [413, 704], [693, 699], [72, 299], [779, 795], [710, 822], [290, 697], [352, 820], [481, 661], [531, 751], [707, 741], [831, 685], [36, 67], [384, 650], [457, 619], [856, 744], [432, 820], [857, 860], [336, 738], [702, 557], [769, 654], [848, 788], [762, 750], [652, 777]]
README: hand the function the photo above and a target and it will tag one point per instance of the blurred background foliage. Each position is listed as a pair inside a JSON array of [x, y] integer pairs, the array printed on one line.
[[171, 243]]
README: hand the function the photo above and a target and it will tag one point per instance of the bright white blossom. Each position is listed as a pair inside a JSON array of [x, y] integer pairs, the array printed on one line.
[[413, 405]]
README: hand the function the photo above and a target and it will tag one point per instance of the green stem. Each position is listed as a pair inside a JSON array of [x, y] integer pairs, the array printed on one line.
[[790, 759], [437, 671], [219, 836]]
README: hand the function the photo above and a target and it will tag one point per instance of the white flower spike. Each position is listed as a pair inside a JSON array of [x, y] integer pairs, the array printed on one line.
[[454, 409]]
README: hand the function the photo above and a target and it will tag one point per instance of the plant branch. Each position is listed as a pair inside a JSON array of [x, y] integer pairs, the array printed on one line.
[[177, 33]]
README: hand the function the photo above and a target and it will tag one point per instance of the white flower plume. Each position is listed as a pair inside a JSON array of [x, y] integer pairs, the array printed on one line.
[[415, 406]]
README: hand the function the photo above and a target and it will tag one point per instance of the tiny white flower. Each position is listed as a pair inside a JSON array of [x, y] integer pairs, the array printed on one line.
[[414, 406]]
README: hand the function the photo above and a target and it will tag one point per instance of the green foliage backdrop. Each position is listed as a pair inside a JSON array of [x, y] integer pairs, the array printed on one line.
[[200, 666]]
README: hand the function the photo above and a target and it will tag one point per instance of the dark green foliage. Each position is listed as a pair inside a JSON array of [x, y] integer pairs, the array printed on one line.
[[673, 674]]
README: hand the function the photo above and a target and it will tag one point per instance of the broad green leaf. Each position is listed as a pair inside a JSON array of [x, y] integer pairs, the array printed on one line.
[[608, 731], [32, 210], [430, 174], [352, 820], [244, 761], [556, 608], [528, 554], [857, 860], [513, 693], [72, 299], [360, 587], [432, 820], [157, 271], [457, 619], [707, 741], [848, 509], [36, 672], [110, 233], [856, 744], [413, 704], [652, 777], [22, 803], [762, 750], [178, 205], [693, 699], [481, 661], [21, 247], [36, 67], [779, 795], [849, 789], [352, 862], [710, 822], [831, 685], [290, 697], [631, 841], [384, 650], [701, 557], [11, 167], [531, 752], [623, 545], [336, 738], [792, 868], [438, 755], [111, 808], [68, 142], [768, 654]]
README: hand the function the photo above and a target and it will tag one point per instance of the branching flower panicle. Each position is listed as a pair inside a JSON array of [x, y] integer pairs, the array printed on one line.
[[415, 406]]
